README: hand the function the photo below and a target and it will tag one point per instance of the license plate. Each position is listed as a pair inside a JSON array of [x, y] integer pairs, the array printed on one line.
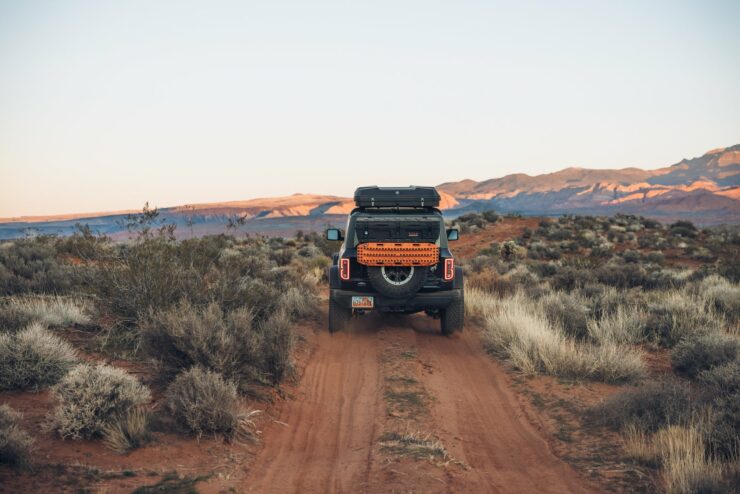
[[363, 302]]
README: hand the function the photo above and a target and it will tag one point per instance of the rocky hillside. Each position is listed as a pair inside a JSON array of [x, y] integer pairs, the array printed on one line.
[[705, 190]]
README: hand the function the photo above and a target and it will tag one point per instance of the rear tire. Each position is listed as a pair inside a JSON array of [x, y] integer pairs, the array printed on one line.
[[453, 317], [397, 281], [338, 316]]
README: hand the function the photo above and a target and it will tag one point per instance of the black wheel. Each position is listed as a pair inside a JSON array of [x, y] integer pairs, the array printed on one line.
[[453, 317], [397, 281], [338, 316]]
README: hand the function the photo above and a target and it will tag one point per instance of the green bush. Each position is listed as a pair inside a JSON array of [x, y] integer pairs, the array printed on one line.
[[15, 443], [33, 359], [694, 355], [91, 397], [203, 402]]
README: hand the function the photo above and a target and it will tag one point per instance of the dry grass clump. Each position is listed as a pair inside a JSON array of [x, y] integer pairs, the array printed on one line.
[[478, 303], [680, 451], [686, 467], [622, 326], [525, 337], [128, 430], [15, 443], [569, 311], [721, 295], [11, 317], [52, 310], [675, 315], [91, 397], [203, 402], [33, 359], [414, 444], [236, 345]]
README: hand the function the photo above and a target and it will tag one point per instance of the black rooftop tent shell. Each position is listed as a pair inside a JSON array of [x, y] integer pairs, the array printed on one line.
[[397, 197]]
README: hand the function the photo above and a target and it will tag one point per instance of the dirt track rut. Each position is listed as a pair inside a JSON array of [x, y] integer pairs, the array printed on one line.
[[325, 438]]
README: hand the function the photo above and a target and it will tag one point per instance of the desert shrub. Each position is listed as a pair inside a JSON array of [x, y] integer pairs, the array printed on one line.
[[510, 251], [520, 334], [33, 358], [568, 311], [157, 273], [51, 310], [479, 303], [558, 234], [702, 352], [90, 397], [649, 407], [621, 275], [282, 256], [84, 244], [539, 250], [145, 275], [128, 430], [674, 316], [12, 317], [299, 304], [721, 295], [622, 326], [729, 267], [203, 402], [15, 443], [683, 229], [491, 281], [237, 345], [277, 342], [631, 256], [686, 467], [32, 265], [491, 216], [570, 278], [721, 393]]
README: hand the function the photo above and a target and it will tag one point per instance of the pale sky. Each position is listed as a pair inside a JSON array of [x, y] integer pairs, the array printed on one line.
[[105, 105]]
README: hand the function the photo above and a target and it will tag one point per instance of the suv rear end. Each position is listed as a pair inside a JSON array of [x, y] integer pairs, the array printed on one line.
[[395, 258]]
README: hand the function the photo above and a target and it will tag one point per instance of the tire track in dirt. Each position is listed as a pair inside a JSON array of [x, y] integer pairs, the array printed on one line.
[[479, 418], [323, 437]]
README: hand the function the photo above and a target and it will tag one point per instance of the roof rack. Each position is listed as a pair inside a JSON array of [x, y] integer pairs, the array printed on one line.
[[412, 196]]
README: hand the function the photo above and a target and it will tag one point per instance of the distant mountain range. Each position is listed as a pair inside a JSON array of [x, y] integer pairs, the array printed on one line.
[[705, 190]]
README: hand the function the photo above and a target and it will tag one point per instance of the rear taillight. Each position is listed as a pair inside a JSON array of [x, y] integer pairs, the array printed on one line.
[[449, 273], [344, 268]]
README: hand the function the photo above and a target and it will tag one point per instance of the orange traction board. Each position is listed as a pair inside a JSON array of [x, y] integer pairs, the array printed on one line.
[[397, 254]]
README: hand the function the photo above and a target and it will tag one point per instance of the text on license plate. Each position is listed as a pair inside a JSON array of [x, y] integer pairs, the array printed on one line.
[[363, 302]]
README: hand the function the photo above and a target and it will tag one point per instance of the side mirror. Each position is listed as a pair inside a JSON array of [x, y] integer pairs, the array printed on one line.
[[453, 234], [334, 234]]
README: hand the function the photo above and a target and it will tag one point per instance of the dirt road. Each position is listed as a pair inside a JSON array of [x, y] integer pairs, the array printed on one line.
[[327, 437]]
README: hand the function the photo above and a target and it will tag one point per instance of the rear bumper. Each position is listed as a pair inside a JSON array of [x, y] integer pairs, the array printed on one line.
[[420, 301]]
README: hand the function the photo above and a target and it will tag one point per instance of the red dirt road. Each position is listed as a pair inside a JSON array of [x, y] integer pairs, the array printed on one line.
[[326, 438]]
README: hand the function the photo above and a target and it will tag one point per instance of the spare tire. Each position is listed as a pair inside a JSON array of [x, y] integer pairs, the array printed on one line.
[[397, 281]]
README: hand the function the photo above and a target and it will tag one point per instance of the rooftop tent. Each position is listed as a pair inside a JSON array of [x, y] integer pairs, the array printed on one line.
[[392, 197]]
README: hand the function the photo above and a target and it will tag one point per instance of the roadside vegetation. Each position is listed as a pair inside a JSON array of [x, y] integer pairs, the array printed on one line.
[[619, 300], [210, 320]]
